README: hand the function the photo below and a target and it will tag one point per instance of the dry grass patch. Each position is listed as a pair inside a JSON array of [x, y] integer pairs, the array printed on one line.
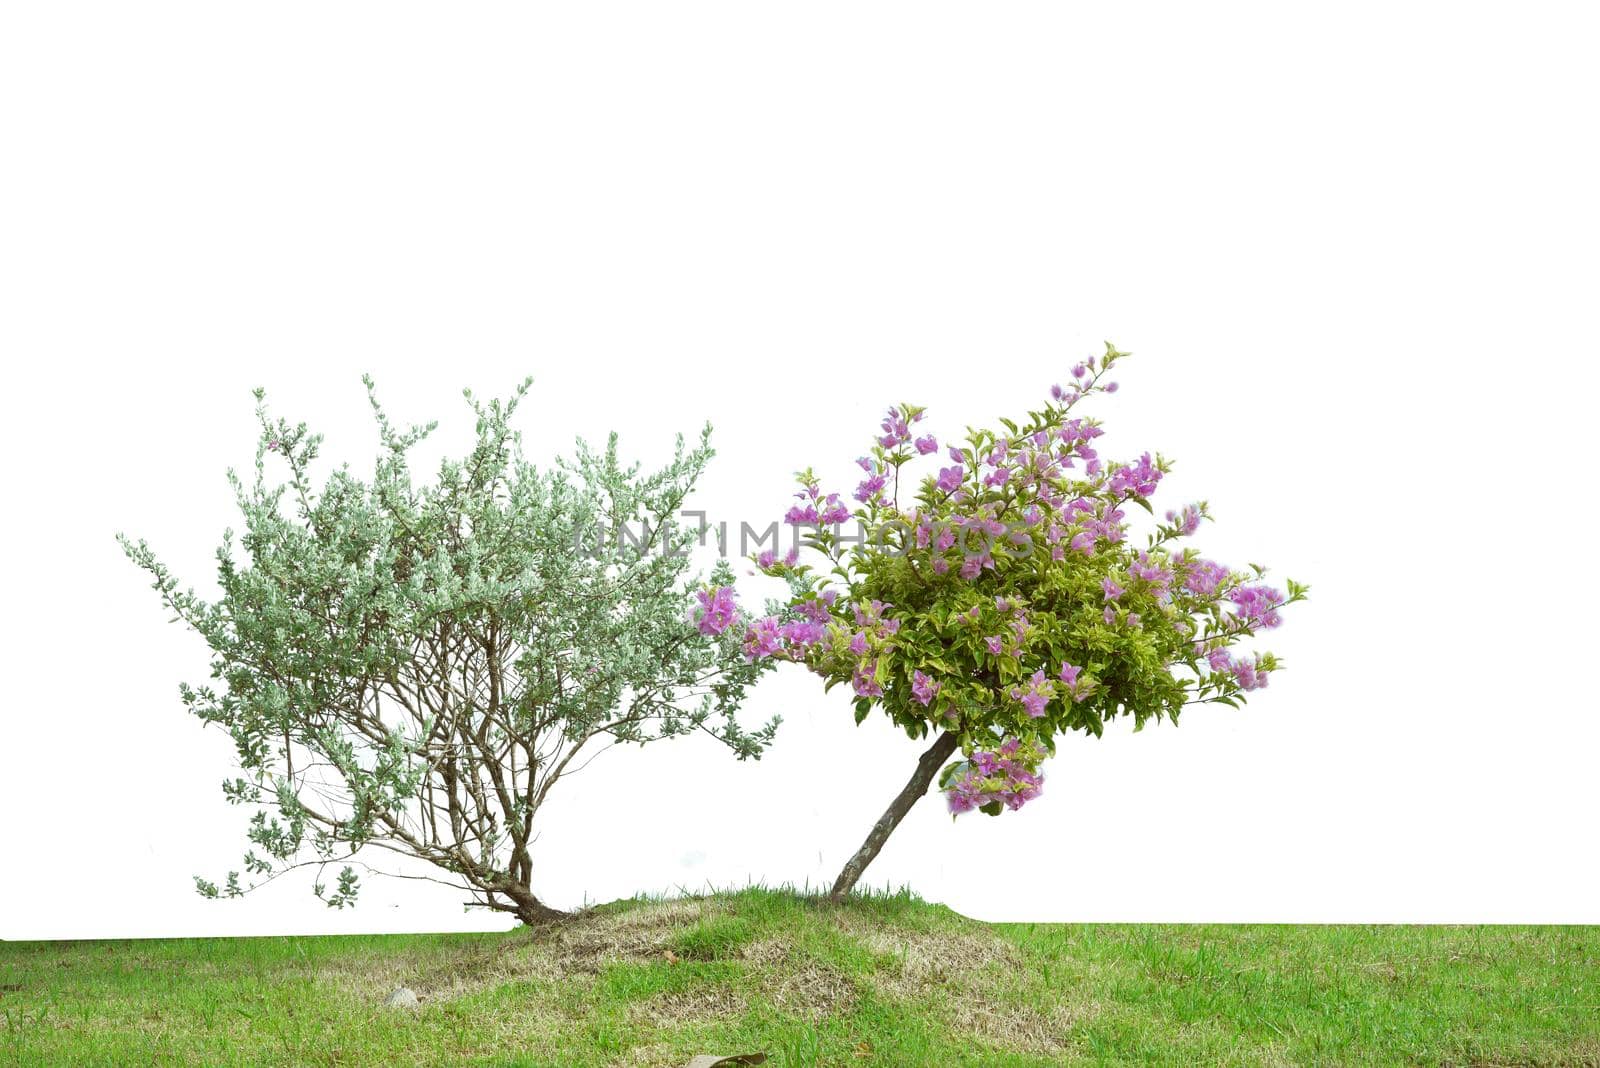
[[797, 983], [974, 974], [681, 1008], [1013, 1027], [581, 946], [593, 939], [653, 1055], [440, 976], [810, 990], [936, 958]]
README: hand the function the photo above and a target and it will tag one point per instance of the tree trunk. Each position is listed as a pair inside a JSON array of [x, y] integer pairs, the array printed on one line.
[[927, 768], [529, 909], [537, 913]]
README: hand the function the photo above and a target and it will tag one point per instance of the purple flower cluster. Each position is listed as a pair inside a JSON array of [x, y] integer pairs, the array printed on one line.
[[815, 509], [897, 430], [1204, 576], [1145, 570], [1103, 523], [1187, 521], [767, 559], [864, 680], [1009, 775], [874, 614], [874, 629], [717, 610], [1250, 674], [762, 638], [1111, 616], [801, 634], [793, 638], [871, 488], [770, 636], [1076, 686], [1035, 696], [1257, 605], [940, 536], [1139, 478]]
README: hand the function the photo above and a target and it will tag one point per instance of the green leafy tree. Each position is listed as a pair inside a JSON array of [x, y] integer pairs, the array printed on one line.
[[413, 667], [999, 598]]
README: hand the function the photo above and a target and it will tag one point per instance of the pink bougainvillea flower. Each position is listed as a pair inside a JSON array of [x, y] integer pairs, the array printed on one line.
[[717, 611]]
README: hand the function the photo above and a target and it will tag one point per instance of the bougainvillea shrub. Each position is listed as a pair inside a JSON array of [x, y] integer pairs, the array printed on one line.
[[1005, 588]]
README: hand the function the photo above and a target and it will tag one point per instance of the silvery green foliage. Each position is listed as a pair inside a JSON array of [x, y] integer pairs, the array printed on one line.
[[413, 666]]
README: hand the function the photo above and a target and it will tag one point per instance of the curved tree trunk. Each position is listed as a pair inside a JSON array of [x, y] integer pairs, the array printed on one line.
[[528, 908], [927, 768], [536, 913]]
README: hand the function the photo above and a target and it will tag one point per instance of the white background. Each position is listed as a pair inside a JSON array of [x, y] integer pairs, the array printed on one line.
[[1353, 248]]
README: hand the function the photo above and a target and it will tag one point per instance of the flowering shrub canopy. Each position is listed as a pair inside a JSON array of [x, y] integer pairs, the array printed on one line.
[[999, 592]]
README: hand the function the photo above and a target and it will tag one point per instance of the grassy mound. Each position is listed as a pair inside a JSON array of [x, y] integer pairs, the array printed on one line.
[[883, 980]]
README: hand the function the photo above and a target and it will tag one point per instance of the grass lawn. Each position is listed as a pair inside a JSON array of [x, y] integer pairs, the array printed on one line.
[[882, 981]]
